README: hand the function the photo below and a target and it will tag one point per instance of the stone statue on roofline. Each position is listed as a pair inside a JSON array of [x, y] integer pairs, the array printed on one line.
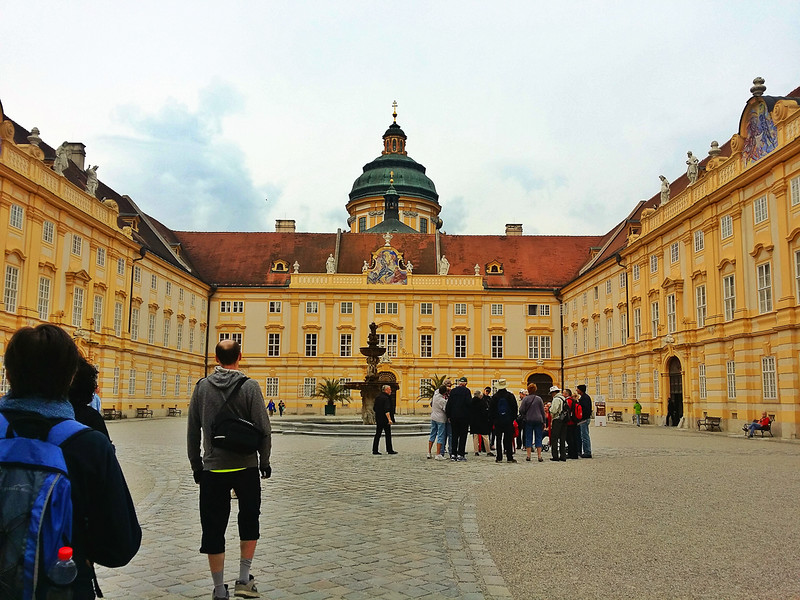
[[477, 269], [62, 159], [664, 190], [409, 267], [692, 170], [91, 180], [444, 265], [330, 265], [296, 266], [365, 267]]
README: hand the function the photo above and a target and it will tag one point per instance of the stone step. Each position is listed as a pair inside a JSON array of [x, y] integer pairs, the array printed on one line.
[[345, 429]]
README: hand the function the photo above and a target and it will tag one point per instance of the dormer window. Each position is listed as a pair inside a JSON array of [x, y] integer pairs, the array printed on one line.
[[494, 268], [280, 266]]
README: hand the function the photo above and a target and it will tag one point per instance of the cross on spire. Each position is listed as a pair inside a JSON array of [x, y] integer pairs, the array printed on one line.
[[394, 112]]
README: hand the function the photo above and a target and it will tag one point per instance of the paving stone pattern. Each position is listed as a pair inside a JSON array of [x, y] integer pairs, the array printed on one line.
[[338, 522]]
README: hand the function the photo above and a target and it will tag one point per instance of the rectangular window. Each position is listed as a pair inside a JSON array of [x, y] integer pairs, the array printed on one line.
[[228, 306], [97, 313], [273, 344], [637, 324], [608, 287], [609, 332], [460, 346], [764, 273], [533, 347], [386, 308], [674, 253], [726, 227], [274, 306], [729, 296], [77, 244], [700, 300], [596, 293], [425, 386], [44, 298], [120, 266], [585, 298], [193, 301], [362, 224], [497, 346], [460, 308], [672, 315], [426, 345], [769, 378], [177, 388], [191, 338], [115, 382], [497, 309], [236, 337], [163, 384], [623, 328], [11, 288], [48, 232], [636, 272], [656, 392], [179, 337], [388, 341], [699, 241], [610, 386], [131, 382], [797, 274], [189, 385], [597, 335], [309, 387], [134, 323], [623, 280], [760, 212], [101, 257], [794, 187], [637, 389], [346, 308], [153, 282], [311, 344], [167, 324], [312, 308], [730, 371], [118, 318], [168, 289], [77, 307], [426, 308], [148, 384], [585, 340], [180, 294], [654, 263], [15, 216], [423, 225], [701, 380], [271, 387], [345, 344], [597, 389], [151, 329], [137, 274], [544, 346], [624, 385], [575, 343]]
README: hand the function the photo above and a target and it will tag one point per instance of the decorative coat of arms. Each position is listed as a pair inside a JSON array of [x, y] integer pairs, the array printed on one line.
[[387, 267]]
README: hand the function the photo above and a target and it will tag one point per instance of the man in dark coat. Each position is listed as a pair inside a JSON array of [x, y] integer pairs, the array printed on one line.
[[458, 411], [479, 424], [383, 419], [583, 425], [502, 412]]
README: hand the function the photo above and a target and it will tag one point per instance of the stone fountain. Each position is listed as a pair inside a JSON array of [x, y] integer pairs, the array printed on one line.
[[373, 382]]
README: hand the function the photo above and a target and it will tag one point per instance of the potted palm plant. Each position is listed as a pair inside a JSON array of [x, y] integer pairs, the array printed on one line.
[[332, 392], [428, 388]]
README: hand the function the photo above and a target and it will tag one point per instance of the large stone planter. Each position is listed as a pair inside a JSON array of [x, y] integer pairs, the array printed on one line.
[[330, 409]]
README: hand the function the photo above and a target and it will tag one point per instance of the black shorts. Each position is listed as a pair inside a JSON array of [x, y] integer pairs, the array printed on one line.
[[215, 506]]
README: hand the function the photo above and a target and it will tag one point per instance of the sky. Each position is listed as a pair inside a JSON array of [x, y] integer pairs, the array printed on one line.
[[225, 116]]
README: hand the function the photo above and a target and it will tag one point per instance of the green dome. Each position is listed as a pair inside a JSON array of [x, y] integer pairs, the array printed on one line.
[[409, 179]]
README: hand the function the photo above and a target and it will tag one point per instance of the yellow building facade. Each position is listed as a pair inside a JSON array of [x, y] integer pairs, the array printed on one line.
[[691, 300]]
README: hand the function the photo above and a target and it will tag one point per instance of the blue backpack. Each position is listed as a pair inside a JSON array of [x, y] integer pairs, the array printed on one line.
[[35, 506]]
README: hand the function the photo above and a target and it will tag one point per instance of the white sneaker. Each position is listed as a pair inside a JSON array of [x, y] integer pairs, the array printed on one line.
[[429, 455], [439, 457]]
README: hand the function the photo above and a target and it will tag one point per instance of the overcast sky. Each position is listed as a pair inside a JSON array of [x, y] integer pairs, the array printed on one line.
[[230, 115]]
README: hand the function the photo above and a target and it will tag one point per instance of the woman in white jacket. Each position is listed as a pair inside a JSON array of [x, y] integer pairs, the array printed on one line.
[[438, 421]]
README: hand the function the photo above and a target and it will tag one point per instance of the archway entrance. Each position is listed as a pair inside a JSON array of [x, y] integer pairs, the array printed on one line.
[[543, 383], [675, 390]]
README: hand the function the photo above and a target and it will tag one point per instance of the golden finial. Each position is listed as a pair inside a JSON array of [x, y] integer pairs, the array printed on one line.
[[391, 177], [394, 112]]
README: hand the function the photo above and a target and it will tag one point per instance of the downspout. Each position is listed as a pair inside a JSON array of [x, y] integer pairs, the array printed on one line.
[[561, 332], [336, 250], [211, 291], [627, 299], [142, 252]]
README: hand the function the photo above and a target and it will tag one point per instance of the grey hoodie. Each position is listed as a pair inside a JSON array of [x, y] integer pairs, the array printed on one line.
[[207, 400]]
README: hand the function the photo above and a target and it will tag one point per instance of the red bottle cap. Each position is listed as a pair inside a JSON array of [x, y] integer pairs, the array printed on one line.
[[65, 553]]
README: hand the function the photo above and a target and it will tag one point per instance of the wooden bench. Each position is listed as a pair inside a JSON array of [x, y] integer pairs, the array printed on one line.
[[644, 419], [615, 415], [109, 414], [173, 411], [710, 423], [142, 413], [768, 428]]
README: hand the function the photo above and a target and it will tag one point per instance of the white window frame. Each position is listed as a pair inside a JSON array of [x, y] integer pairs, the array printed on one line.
[[312, 307], [637, 324], [699, 241], [623, 280], [794, 190], [311, 344], [674, 253], [148, 384], [497, 345], [177, 389], [764, 285], [274, 306], [43, 300], [271, 387], [168, 289], [533, 347], [179, 337], [797, 274], [760, 210], [729, 296], [654, 263], [131, 382], [100, 257], [191, 338], [608, 287], [656, 385], [624, 385], [346, 345], [48, 232], [701, 381], [636, 272], [164, 380], [120, 266], [273, 344], [460, 308], [346, 308], [610, 332], [623, 327], [672, 313], [134, 323], [16, 216], [425, 384], [167, 327], [151, 328], [597, 335], [730, 375], [115, 382], [426, 308], [77, 244], [137, 274], [460, 345], [545, 347], [585, 339], [153, 281], [610, 386], [97, 313], [769, 378], [426, 345], [725, 227], [497, 309], [78, 294], [309, 387], [701, 304], [11, 288]]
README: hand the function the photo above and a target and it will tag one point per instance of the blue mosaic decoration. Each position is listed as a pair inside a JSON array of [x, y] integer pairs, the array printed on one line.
[[385, 267], [762, 136]]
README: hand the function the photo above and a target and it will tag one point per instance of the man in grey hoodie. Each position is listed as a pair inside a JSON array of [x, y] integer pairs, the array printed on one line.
[[219, 471]]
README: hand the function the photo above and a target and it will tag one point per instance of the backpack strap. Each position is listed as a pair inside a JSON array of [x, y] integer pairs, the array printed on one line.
[[233, 392], [4, 426], [62, 431]]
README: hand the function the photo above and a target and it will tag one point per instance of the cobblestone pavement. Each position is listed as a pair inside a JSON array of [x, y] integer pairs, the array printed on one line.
[[663, 514]]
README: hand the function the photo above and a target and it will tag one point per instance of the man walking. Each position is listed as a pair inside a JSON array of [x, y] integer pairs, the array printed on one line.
[[558, 436], [583, 424], [220, 470], [457, 410], [383, 419], [502, 412]]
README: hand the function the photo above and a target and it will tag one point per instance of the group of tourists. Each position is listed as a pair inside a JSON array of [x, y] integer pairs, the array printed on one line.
[[503, 423]]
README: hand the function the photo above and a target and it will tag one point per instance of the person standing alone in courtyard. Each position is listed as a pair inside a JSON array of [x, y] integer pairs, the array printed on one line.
[[221, 470], [383, 419]]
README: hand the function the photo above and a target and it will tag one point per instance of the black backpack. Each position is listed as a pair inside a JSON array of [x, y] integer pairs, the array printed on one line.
[[232, 432]]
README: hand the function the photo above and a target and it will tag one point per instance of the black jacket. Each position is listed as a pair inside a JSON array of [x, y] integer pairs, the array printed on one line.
[[383, 405], [458, 403], [105, 529], [479, 416], [508, 418], [586, 406]]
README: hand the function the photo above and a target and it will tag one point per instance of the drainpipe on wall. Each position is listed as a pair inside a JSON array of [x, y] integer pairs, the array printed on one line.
[[627, 298], [211, 291], [560, 333], [142, 252]]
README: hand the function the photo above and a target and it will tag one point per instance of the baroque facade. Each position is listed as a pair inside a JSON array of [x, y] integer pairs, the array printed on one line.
[[692, 297]]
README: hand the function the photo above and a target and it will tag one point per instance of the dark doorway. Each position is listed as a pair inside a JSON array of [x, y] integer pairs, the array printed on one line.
[[543, 383], [675, 391]]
